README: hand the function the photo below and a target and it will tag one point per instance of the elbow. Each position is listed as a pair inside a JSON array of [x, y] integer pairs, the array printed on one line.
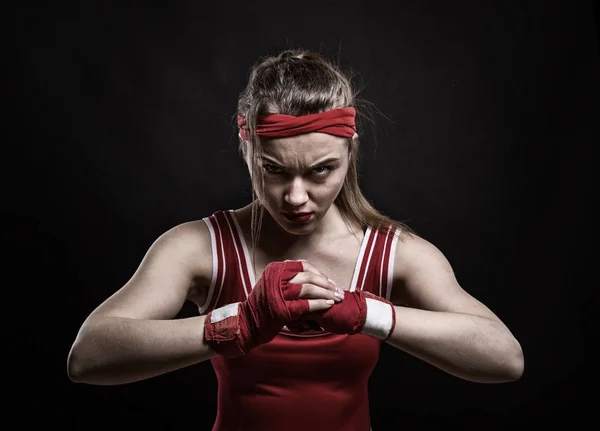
[[514, 362], [505, 366], [76, 364], [73, 367], [82, 358]]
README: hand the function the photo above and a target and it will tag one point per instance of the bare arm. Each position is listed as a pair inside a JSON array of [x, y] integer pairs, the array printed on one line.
[[132, 335], [439, 322]]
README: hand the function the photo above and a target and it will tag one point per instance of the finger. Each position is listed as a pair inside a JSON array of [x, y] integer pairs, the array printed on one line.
[[288, 272], [291, 290], [307, 266], [319, 304], [310, 291], [329, 283], [317, 279], [298, 307]]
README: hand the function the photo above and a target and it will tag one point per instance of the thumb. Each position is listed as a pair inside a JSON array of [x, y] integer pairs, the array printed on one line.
[[317, 306]]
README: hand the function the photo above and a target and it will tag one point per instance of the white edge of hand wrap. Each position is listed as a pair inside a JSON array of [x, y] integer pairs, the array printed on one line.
[[224, 312], [379, 319]]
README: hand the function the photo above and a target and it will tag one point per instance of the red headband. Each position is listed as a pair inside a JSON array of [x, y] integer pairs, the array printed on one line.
[[337, 122]]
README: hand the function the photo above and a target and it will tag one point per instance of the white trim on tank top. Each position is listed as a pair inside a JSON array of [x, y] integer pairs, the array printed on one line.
[[251, 274], [213, 279], [357, 264]]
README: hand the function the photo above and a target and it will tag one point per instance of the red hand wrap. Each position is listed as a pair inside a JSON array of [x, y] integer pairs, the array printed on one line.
[[347, 316], [358, 312], [235, 329]]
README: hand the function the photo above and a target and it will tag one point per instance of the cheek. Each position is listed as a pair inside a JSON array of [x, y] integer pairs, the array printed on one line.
[[329, 190], [338, 181], [271, 193]]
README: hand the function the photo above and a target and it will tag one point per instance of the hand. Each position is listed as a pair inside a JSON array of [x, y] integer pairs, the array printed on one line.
[[320, 284], [360, 312], [285, 292]]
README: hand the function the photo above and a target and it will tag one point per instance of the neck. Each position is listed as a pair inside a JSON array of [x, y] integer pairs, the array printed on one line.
[[331, 227]]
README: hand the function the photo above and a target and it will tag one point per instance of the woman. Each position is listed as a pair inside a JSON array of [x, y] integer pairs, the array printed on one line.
[[297, 290]]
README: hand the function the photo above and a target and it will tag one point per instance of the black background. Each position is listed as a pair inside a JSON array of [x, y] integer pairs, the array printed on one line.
[[119, 126]]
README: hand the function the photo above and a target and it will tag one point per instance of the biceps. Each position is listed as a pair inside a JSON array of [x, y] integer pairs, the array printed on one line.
[[147, 295], [437, 289], [440, 294], [157, 289], [428, 282]]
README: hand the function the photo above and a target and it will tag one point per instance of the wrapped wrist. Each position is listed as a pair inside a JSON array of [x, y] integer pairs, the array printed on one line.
[[380, 319], [222, 330]]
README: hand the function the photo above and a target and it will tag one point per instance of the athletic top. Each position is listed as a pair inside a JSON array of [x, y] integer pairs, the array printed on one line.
[[311, 381]]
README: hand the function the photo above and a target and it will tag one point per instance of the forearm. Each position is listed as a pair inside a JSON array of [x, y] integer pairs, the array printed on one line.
[[471, 347], [115, 350]]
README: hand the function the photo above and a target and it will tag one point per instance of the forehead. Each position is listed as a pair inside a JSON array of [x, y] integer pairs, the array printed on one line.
[[304, 149]]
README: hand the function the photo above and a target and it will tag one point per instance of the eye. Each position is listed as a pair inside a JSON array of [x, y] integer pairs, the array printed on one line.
[[323, 170], [272, 169]]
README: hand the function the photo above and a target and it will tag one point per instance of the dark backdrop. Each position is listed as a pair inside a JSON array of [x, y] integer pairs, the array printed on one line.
[[119, 126]]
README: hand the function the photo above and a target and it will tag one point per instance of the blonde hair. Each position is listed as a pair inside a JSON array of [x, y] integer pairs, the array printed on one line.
[[301, 82]]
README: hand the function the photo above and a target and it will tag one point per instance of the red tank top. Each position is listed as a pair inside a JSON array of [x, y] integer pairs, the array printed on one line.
[[316, 381]]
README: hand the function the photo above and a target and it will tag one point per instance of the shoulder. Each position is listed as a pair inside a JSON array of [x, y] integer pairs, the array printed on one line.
[[418, 263], [170, 272], [189, 236], [188, 243], [414, 254], [424, 278]]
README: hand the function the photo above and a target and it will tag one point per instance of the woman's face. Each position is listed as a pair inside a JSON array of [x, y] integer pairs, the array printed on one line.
[[302, 174]]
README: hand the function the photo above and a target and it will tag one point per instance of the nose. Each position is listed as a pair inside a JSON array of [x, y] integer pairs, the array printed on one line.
[[296, 193]]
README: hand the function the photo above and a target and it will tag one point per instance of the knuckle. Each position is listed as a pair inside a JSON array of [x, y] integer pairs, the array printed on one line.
[[322, 281], [324, 293], [313, 290]]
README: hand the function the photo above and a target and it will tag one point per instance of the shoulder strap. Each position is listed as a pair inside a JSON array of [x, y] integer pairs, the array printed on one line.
[[376, 269], [231, 279]]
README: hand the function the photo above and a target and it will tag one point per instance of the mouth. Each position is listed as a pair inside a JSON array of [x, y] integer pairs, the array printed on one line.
[[298, 217]]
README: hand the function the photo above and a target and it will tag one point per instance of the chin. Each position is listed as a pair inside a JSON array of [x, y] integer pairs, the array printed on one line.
[[298, 231], [292, 228]]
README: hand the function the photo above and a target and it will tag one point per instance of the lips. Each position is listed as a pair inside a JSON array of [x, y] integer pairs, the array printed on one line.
[[296, 214], [298, 217]]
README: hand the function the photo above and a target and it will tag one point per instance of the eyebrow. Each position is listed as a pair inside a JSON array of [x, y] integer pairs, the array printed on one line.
[[319, 163]]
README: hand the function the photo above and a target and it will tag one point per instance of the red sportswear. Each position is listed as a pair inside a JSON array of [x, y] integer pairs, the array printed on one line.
[[308, 382]]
